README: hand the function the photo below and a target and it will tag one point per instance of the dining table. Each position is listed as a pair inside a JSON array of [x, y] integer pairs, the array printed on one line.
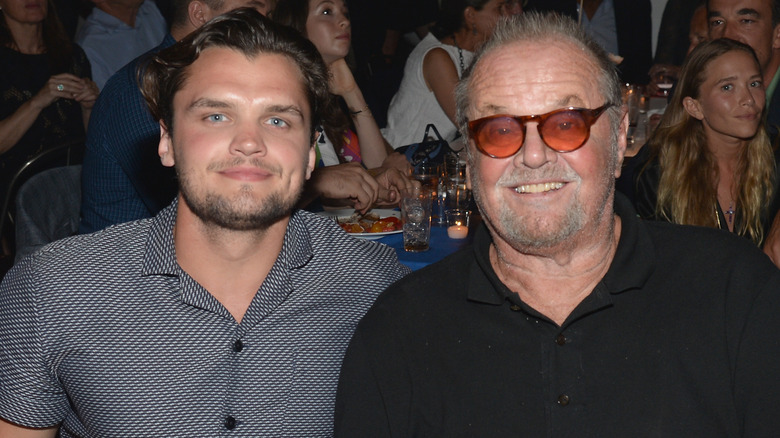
[[440, 246]]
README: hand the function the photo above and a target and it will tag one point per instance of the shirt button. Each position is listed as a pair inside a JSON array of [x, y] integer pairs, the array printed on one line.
[[230, 422], [560, 339], [238, 346], [563, 400], [514, 308]]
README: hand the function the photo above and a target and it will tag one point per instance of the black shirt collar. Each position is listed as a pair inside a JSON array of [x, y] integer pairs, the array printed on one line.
[[631, 266]]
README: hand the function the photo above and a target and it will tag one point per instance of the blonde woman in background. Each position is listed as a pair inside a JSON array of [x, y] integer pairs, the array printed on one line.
[[711, 161]]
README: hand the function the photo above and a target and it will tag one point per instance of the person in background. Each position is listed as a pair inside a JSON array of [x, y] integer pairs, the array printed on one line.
[[513, 7], [757, 24], [350, 133], [338, 179], [45, 83], [380, 48], [699, 28], [622, 27], [122, 178], [633, 163], [116, 32], [434, 67], [570, 316], [674, 30], [230, 311], [679, 16], [711, 161]]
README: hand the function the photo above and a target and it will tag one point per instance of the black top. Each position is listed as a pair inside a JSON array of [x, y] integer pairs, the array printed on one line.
[[21, 77], [680, 338], [648, 176]]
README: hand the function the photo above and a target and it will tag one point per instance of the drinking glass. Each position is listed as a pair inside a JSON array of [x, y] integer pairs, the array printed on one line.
[[664, 81], [416, 219]]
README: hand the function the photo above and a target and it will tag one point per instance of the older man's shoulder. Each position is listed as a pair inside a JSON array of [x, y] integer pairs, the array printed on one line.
[[441, 284], [716, 251]]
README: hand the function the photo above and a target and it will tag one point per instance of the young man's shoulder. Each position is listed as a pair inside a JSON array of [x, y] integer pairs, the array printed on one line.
[[115, 248]]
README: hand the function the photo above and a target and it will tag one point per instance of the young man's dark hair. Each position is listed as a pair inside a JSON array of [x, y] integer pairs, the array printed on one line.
[[244, 30]]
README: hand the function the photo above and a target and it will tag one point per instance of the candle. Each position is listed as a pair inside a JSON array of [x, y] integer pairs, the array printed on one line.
[[457, 232]]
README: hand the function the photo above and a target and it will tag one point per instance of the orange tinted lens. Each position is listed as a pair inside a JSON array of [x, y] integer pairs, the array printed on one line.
[[564, 131], [500, 136]]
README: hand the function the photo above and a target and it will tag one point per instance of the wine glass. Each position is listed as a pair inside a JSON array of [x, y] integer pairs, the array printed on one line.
[[664, 81]]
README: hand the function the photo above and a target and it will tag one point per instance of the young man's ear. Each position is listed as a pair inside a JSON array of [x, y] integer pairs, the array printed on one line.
[[165, 149], [312, 156]]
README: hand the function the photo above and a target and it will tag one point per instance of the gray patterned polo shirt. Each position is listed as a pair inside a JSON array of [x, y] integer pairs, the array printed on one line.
[[105, 334]]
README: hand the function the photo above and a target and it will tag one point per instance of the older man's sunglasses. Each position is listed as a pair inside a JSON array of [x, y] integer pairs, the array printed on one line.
[[562, 130]]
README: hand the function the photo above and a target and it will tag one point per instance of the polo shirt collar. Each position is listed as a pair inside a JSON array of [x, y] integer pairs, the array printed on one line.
[[160, 254], [631, 266], [634, 259]]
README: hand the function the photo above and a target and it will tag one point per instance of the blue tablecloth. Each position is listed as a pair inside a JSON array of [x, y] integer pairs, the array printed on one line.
[[440, 247]]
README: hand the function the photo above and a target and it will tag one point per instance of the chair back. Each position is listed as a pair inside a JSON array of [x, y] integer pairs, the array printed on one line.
[[47, 208], [61, 155]]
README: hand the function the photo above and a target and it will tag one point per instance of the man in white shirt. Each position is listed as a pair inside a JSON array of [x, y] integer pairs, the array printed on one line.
[[117, 31]]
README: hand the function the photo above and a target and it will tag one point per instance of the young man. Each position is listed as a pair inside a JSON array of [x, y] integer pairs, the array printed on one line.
[[229, 311], [570, 316], [122, 178]]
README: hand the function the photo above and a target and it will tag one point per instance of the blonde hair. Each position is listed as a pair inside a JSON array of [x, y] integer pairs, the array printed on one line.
[[687, 191]]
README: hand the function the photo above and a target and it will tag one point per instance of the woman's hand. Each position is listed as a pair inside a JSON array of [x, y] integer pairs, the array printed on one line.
[[341, 81], [61, 86], [88, 94]]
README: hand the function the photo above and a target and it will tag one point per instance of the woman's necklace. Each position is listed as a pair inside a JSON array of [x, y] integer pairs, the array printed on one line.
[[730, 214], [460, 55]]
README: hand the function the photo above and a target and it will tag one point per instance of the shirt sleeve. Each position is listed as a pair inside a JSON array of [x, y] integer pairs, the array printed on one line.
[[30, 394]]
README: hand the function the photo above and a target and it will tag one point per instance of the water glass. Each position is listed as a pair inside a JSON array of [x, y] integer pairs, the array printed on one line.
[[458, 194], [428, 175], [416, 219]]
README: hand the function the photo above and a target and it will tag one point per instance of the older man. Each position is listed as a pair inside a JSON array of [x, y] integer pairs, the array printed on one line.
[[570, 316], [229, 312]]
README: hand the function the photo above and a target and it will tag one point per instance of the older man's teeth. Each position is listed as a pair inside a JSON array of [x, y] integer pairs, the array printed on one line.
[[539, 188]]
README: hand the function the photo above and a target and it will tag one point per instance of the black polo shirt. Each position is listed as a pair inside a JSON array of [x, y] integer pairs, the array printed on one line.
[[680, 338]]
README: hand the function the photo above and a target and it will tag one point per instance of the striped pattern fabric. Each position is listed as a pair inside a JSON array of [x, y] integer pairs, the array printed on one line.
[[105, 334]]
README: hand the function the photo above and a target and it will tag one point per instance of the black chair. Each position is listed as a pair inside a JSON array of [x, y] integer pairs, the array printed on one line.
[[47, 208], [61, 155]]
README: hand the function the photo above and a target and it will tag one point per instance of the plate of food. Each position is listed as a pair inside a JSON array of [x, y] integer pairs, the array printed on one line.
[[375, 224]]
